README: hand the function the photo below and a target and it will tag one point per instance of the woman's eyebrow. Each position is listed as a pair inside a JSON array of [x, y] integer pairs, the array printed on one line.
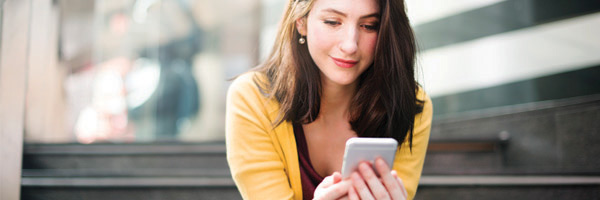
[[331, 10], [376, 15]]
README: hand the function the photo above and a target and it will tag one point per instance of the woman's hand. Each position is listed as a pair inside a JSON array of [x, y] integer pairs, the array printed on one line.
[[332, 187], [368, 186]]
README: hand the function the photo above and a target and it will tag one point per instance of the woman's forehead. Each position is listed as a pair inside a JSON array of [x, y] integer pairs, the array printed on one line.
[[347, 7]]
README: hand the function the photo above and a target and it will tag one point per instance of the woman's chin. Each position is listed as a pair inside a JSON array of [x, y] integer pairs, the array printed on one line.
[[339, 78], [343, 80]]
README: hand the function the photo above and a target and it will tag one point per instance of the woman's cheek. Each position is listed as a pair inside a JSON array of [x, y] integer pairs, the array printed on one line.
[[370, 42], [321, 38]]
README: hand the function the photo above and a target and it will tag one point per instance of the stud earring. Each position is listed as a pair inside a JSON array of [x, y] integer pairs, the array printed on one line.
[[301, 40]]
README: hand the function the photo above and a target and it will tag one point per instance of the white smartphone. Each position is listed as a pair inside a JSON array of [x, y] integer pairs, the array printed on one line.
[[367, 149]]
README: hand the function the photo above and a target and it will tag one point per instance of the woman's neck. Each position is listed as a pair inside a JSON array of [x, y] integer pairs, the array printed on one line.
[[335, 100]]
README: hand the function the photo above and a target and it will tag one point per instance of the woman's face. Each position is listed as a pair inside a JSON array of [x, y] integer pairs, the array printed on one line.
[[341, 37]]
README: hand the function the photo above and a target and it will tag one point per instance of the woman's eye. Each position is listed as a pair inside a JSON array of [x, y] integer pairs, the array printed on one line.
[[370, 27], [333, 23]]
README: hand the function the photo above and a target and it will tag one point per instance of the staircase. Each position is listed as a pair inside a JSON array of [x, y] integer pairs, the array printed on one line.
[[544, 150], [127, 171]]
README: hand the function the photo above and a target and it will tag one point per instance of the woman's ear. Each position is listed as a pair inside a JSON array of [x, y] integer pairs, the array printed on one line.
[[301, 25]]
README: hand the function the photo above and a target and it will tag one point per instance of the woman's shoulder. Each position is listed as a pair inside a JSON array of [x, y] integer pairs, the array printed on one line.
[[422, 95], [427, 112], [246, 83], [245, 89], [247, 79], [244, 95]]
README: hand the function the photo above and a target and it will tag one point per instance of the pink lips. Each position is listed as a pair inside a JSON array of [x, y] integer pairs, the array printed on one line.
[[344, 63]]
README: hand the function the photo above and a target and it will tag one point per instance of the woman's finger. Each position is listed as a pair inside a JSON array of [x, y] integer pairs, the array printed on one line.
[[327, 181], [336, 177], [337, 191], [352, 195], [395, 175], [377, 188], [361, 187], [391, 183]]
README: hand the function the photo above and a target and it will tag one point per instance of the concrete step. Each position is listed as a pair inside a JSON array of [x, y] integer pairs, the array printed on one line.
[[509, 187], [130, 188], [129, 193], [118, 157], [431, 187], [130, 172], [210, 160], [126, 182]]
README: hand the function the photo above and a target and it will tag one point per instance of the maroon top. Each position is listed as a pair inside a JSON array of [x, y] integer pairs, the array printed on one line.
[[310, 178]]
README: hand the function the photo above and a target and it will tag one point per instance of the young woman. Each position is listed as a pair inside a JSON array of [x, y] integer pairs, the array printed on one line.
[[338, 69]]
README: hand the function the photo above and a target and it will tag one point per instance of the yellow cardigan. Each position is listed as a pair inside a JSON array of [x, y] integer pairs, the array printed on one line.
[[264, 160]]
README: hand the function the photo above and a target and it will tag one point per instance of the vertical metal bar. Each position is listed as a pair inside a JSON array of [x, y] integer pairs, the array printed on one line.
[[13, 70]]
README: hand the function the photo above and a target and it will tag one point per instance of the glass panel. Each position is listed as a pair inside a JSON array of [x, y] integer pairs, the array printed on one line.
[[138, 70]]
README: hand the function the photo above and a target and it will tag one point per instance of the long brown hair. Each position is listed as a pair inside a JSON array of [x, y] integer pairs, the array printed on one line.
[[385, 103]]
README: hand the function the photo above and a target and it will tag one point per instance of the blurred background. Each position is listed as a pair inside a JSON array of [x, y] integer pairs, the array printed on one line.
[[126, 99]]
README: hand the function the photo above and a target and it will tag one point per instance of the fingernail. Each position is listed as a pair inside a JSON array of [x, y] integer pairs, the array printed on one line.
[[362, 167], [380, 162], [355, 176]]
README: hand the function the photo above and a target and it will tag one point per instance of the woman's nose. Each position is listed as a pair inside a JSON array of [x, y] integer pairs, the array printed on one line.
[[349, 42]]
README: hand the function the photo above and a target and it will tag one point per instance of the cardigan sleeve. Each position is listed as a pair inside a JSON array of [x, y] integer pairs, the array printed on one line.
[[409, 165], [256, 167]]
